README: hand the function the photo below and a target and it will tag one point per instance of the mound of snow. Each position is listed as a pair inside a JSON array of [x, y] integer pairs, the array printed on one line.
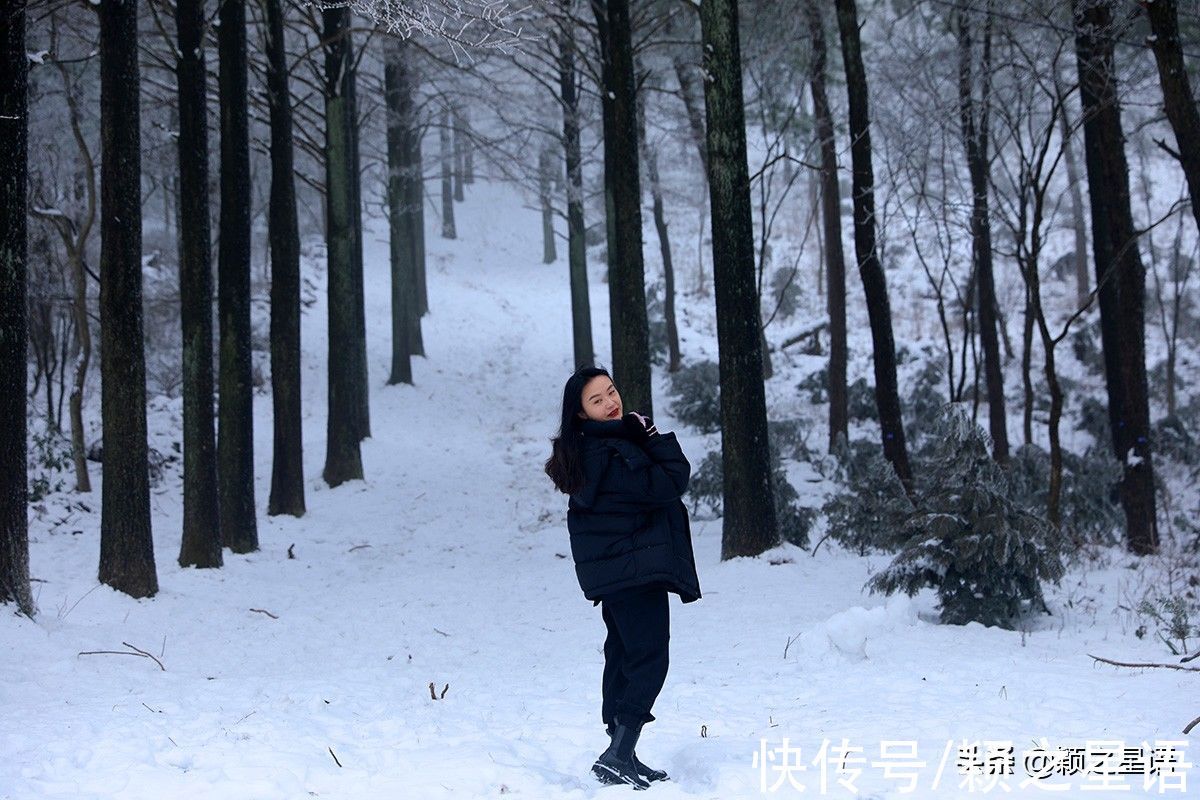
[[849, 633]]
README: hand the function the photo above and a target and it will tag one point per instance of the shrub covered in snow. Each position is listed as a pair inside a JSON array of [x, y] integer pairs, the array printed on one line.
[[874, 511], [971, 541]]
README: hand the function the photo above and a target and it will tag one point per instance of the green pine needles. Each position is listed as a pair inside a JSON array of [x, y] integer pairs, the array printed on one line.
[[984, 554]]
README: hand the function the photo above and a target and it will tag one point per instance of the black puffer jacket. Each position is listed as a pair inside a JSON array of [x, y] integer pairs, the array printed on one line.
[[628, 525]]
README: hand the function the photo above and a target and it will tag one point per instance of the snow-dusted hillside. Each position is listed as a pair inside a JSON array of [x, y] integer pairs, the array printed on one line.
[[449, 565]]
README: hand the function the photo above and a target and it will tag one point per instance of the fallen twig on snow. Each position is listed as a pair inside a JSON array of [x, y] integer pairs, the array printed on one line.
[[1143, 666], [335, 758], [1191, 725], [264, 611], [135, 652]]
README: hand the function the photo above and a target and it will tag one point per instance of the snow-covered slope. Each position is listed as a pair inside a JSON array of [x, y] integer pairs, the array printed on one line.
[[449, 566]]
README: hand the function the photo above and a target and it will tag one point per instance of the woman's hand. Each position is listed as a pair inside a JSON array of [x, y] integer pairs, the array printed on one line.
[[638, 427]]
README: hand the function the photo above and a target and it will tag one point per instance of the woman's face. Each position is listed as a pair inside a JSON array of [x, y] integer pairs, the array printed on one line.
[[601, 401]]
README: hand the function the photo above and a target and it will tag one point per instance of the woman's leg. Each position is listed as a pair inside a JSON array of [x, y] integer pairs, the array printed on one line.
[[642, 622], [613, 684]]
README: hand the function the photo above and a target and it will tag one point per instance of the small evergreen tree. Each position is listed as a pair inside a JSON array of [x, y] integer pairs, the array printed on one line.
[[983, 553], [875, 512]]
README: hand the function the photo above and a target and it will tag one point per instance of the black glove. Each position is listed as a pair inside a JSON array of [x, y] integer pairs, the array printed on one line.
[[638, 428]]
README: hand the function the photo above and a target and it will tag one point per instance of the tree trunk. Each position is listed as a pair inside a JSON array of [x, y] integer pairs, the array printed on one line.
[[460, 155], [14, 177], [287, 469], [446, 155], [343, 460], [398, 96], [831, 207], [749, 526], [417, 203], [235, 439], [581, 313], [79, 309], [75, 239], [975, 137], [362, 406], [468, 165], [887, 395], [1027, 367], [1120, 274], [649, 155], [1178, 100], [545, 188], [126, 543], [201, 542], [626, 270], [1078, 223]]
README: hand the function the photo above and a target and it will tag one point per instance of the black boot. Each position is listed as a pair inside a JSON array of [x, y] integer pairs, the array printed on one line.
[[649, 773], [615, 765]]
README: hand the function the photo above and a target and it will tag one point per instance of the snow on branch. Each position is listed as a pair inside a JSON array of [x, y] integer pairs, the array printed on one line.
[[463, 24]]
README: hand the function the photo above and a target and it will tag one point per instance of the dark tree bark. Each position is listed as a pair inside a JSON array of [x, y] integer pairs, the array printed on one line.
[[468, 151], [1178, 100], [460, 154], [446, 156], [235, 434], [581, 313], [976, 134], [201, 542], [1120, 274], [398, 96], [287, 469], [887, 395], [545, 198], [126, 544], [626, 270], [749, 523], [417, 204], [362, 405], [14, 178], [831, 211], [343, 460]]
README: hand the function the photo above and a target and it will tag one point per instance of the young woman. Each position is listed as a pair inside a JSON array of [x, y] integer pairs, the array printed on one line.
[[632, 545]]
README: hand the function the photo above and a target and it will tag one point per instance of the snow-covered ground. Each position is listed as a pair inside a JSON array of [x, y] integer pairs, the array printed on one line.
[[449, 565]]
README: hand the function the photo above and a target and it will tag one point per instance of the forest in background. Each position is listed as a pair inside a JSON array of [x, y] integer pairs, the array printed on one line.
[[1000, 193]]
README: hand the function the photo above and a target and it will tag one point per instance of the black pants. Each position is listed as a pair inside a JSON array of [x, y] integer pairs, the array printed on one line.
[[635, 653]]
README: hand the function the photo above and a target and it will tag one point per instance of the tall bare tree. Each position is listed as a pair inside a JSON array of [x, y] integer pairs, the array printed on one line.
[[201, 541], [401, 219], [14, 177], [749, 523], [568, 81], [235, 439], [1120, 274], [870, 269], [343, 460], [126, 544], [287, 470], [1178, 99], [626, 268], [974, 118], [831, 212]]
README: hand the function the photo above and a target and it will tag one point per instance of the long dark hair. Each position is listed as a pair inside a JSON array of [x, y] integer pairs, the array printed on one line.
[[565, 465]]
